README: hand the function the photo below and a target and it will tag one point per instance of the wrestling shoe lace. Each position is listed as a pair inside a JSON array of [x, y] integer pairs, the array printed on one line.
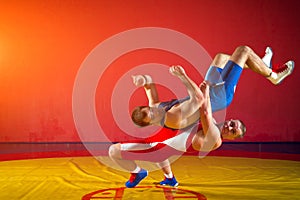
[[132, 177], [281, 72], [279, 67]]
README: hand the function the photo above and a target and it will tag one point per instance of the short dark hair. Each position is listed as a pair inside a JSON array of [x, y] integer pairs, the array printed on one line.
[[138, 116], [243, 128]]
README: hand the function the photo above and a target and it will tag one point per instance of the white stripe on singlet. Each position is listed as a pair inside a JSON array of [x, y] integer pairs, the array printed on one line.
[[179, 142], [137, 146]]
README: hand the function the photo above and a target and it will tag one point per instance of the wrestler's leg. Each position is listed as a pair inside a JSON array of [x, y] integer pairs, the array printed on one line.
[[221, 59], [165, 166], [137, 173], [213, 74], [169, 176], [245, 55], [115, 154]]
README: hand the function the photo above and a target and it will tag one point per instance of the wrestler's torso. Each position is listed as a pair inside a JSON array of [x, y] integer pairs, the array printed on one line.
[[173, 118]]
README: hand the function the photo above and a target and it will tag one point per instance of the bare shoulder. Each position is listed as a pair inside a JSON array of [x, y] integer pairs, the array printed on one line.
[[218, 144], [214, 136]]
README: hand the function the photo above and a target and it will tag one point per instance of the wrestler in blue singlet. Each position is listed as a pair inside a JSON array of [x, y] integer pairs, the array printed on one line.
[[220, 95]]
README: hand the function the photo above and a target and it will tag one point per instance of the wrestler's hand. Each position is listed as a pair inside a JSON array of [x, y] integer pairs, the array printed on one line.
[[177, 70], [141, 80], [204, 87]]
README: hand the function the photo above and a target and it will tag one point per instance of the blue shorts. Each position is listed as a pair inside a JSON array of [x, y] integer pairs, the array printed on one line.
[[221, 95]]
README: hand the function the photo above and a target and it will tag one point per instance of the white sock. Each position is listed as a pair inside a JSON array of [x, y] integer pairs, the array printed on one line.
[[137, 169], [170, 175], [272, 76], [268, 57]]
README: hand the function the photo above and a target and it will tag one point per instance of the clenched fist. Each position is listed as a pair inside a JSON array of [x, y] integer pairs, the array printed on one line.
[[141, 80], [177, 70]]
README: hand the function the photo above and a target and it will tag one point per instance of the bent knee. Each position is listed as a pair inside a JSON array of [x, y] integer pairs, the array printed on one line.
[[221, 56], [114, 151], [243, 49], [220, 60]]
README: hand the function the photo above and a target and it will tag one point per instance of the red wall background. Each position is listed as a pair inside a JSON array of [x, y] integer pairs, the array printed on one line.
[[43, 44]]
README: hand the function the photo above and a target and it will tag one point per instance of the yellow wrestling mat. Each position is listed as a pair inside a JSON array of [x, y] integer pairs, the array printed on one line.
[[212, 178]]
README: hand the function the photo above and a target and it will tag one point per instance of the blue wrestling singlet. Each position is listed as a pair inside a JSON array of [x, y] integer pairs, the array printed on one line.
[[221, 95], [167, 105]]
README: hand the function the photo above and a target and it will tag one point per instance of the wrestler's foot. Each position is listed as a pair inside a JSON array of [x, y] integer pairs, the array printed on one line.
[[281, 73], [267, 59], [170, 181], [136, 178]]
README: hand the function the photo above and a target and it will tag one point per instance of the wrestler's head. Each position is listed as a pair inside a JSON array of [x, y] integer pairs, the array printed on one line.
[[233, 129], [145, 115]]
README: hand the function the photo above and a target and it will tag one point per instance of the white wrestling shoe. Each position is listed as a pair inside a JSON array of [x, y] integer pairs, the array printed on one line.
[[267, 59], [286, 70]]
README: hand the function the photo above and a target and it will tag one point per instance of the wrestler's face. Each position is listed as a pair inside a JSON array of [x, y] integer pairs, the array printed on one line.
[[154, 115], [231, 129]]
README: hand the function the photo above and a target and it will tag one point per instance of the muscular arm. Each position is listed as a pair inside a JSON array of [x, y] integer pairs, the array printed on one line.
[[205, 110], [179, 115], [151, 93], [149, 87], [210, 130]]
